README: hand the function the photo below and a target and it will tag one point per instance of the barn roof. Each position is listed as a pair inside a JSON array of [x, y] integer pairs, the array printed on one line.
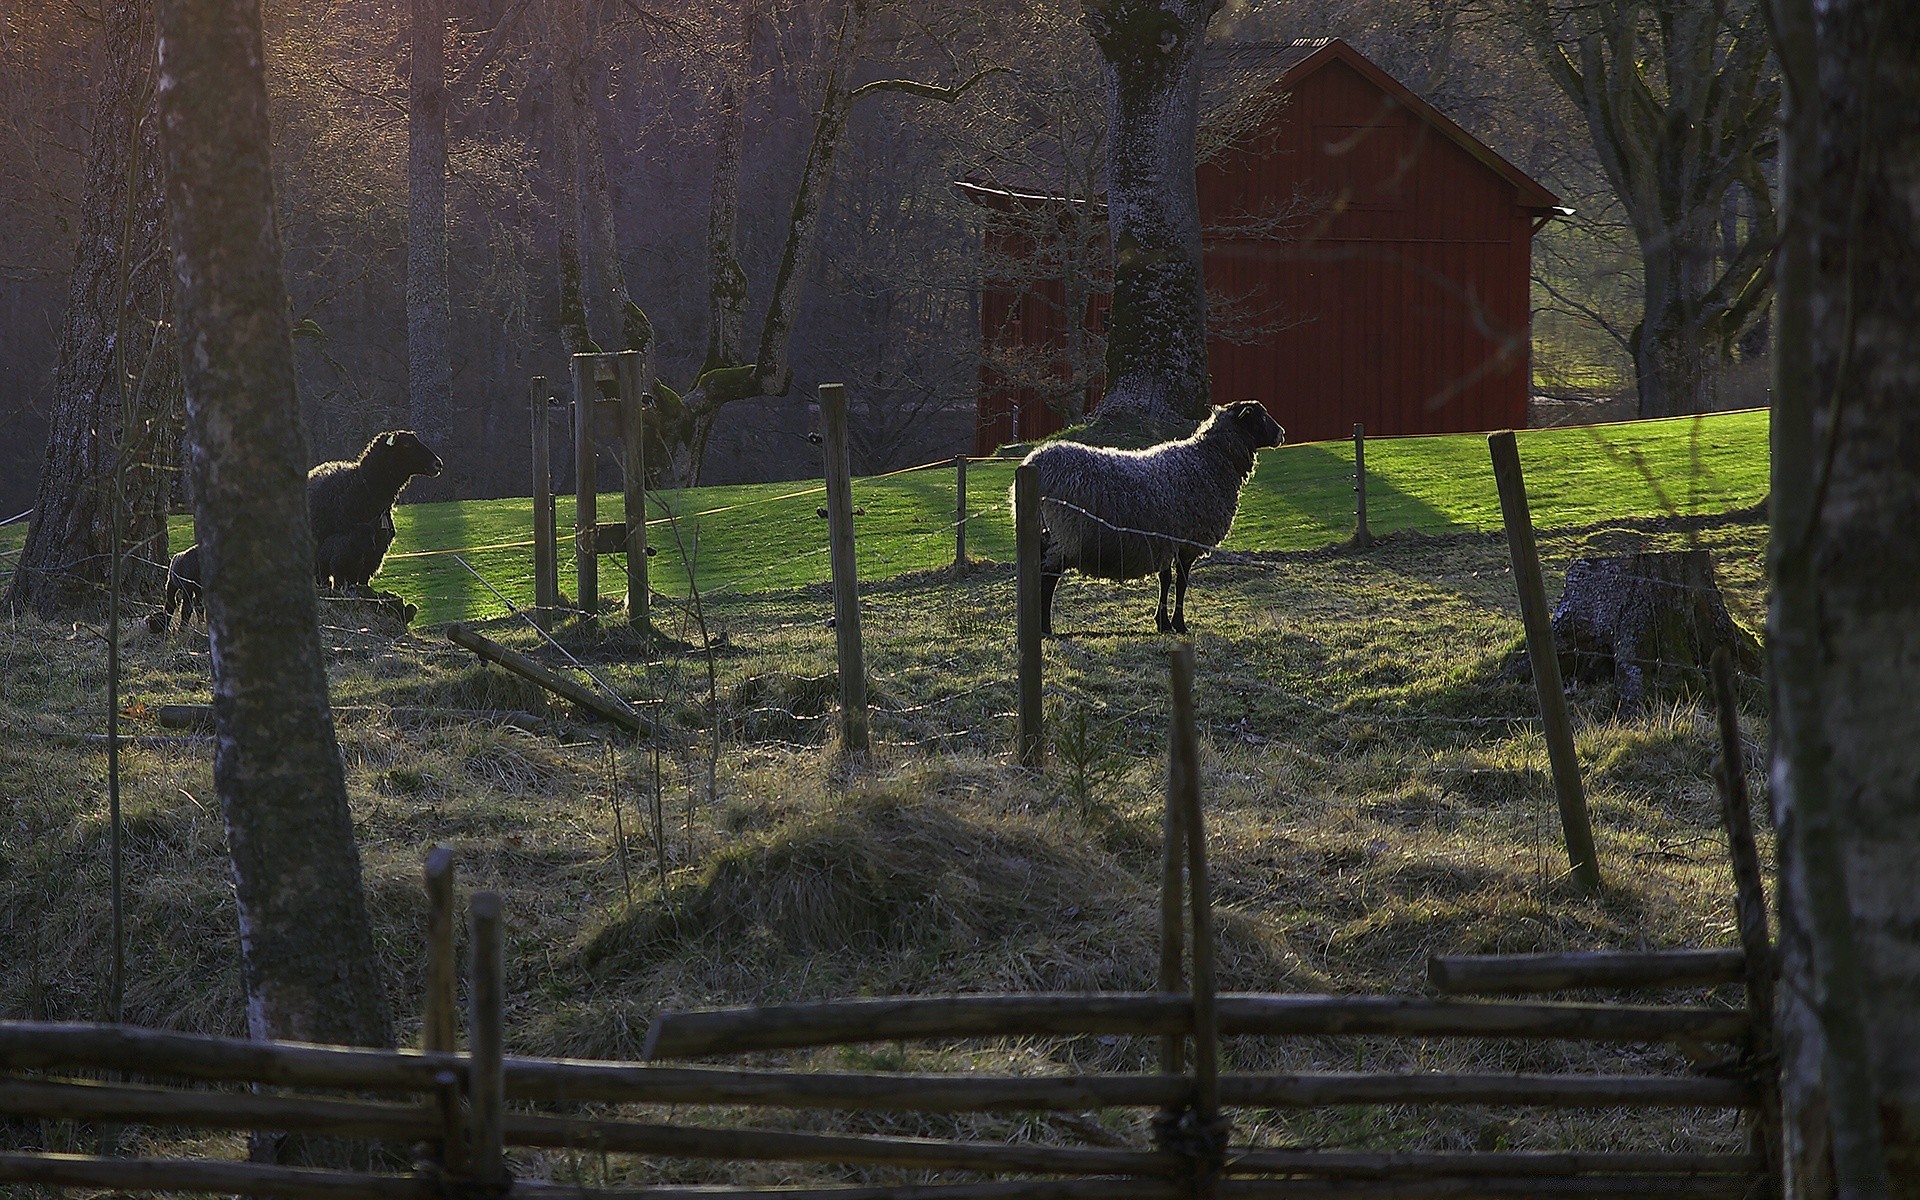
[[1242, 84]]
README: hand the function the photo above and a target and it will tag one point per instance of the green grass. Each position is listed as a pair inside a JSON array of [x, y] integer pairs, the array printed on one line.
[[759, 537]]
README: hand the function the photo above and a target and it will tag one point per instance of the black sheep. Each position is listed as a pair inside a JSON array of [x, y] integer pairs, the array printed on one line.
[[350, 505], [183, 586]]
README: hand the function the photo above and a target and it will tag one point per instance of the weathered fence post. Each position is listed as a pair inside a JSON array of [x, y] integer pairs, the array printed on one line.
[[441, 1017], [635, 371], [1541, 652], [1362, 536], [846, 586], [1183, 793], [546, 576], [487, 1035], [585, 488], [1026, 537], [1750, 914], [1173, 907], [959, 513]]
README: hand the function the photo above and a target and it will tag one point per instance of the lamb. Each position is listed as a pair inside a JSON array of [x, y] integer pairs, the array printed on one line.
[[183, 587], [350, 505], [1124, 514]]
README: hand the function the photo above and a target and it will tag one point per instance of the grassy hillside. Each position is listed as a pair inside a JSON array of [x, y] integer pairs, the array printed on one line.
[[757, 537]]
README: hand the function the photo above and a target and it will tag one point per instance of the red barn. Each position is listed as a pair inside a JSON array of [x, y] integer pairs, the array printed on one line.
[[1367, 260]]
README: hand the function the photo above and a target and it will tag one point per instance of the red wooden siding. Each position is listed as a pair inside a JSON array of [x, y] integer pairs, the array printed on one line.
[[1402, 301]]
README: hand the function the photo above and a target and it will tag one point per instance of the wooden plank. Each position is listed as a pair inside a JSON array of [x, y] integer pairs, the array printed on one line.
[[46, 1045], [1183, 793], [1673, 1187], [846, 581], [207, 1175], [1349, 1164], [789, 1026], [486, 1036], [613, 710], [1576, 825], [1022, 1189], [215, 1110], [441, 1021], [1552, 972]]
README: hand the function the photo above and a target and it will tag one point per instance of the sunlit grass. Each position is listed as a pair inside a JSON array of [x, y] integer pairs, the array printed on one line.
[[757, 537]]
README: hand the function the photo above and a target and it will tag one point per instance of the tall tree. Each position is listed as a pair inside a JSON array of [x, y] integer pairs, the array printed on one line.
[[307, 945], [1845, 619], [1157, 379], [115, 416], [429, 295], [1680, 98]]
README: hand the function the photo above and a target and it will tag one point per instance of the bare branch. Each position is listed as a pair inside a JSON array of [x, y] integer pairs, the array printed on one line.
[[926, 91]]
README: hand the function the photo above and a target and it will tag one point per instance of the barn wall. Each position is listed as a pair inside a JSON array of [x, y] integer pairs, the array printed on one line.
[[1401, 298]]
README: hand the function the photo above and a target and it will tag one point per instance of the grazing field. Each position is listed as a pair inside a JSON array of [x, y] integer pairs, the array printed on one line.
[[756, 537], [1375, 783]]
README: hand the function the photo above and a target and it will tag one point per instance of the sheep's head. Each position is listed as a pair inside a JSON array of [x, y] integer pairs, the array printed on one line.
[[1261, 430], [402, 452]]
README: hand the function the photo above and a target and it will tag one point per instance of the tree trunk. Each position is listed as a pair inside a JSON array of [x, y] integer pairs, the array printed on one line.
[[116, 386], [1676, 359], [727, 279], [429, 296], [771, 374], [306, 944], [1845, 616], [563, 46], [1648, 622], [1157, 374]]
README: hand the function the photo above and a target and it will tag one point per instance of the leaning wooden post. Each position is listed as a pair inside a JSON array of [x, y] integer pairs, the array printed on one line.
[[586, 490], [440, 1020], [545, 575], [1362, 536], [636, 383], [1574, 822], [959, 513], [1173, 908], [1026, 538], [1750, 914], [1183, 793], [846, 585], [487, 1036]]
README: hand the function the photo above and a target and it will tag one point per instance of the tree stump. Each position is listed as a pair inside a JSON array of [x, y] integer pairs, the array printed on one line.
[[1649, 621]]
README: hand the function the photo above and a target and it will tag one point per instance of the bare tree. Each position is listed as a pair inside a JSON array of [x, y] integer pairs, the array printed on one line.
[[306, 943], [429, 296], [1845, 619], [1680, 99], [113, 441], [1157, 378]]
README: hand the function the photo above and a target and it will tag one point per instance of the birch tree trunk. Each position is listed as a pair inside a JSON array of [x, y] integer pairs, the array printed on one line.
[[306, 944], [429, 295], [1157, 375], [1845, 617], [115, 410]]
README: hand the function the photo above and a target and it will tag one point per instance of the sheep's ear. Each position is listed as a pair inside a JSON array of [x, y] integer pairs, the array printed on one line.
[[390, 439]]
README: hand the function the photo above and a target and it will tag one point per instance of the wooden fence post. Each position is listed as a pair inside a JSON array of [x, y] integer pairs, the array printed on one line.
[[586, 490], [1362, 536], [441, 1019], [959, 513], [1026, 535], [636, 383], [486, 1037], [546, 576], [1545, 658], [846, 585], [1183, 792], [1750, 914], [1173, 908]]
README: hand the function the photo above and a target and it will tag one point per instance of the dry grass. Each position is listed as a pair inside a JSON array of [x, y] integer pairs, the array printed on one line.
[[1376, 790]]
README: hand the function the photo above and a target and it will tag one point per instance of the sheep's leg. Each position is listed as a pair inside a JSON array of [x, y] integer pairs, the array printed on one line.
[[1184, 566], [1160, 618], [1048, 581]]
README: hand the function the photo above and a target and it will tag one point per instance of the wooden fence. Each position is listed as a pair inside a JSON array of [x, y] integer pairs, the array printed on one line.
[[451, 1107]]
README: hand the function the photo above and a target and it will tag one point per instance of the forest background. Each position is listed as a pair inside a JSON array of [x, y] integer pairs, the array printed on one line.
[[888, 305]]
